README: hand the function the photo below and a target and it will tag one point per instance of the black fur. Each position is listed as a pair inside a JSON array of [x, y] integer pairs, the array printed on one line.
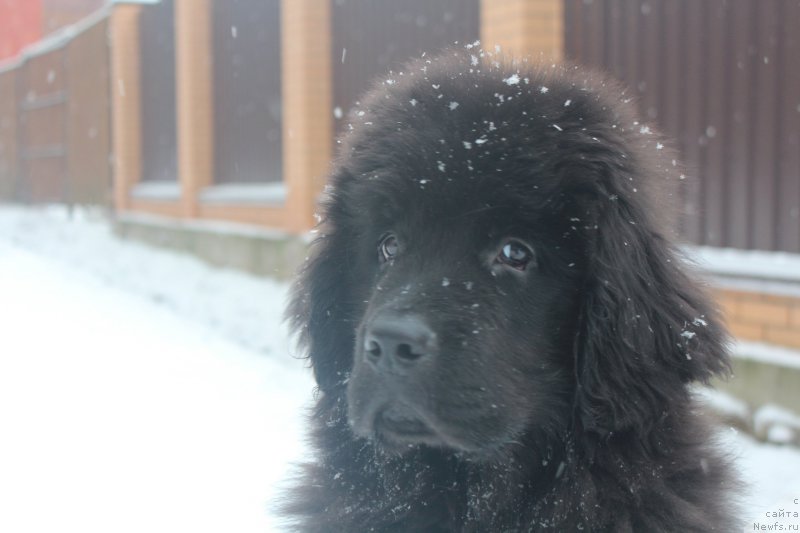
[[557, 397]]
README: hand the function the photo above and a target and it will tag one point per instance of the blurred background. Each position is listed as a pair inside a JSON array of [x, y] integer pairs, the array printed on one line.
[[204, 110], [206, 128]]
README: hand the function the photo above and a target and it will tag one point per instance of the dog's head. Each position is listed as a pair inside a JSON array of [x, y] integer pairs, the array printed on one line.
[[491, 266]]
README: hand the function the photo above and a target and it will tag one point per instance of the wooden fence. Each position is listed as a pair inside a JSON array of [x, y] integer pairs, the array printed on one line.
[[55, 119], [370, 38], [723, 78], [720, 76]]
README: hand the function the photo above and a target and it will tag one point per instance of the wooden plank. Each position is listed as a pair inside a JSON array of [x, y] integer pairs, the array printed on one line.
[[158, 104], [693, 17], [714, 131], [788, 207], [247, 91], [766, 80], [652, 58], [740, 74], [371, 38]]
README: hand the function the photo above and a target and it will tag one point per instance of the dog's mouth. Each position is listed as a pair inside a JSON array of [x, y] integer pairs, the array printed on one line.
[[398, 425], [402, 423]]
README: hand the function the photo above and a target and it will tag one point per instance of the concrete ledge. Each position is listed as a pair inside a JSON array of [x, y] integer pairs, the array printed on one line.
[[764, 374], [251, 249]]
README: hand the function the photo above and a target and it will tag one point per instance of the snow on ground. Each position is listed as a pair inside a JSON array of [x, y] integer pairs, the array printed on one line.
[[142, 390], [125, 404]]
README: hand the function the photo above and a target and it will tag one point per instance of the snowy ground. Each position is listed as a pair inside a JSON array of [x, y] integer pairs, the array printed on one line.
[[144, 391]]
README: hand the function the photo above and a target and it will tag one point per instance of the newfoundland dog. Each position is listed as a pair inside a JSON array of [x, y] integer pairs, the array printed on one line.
[[501, 330]]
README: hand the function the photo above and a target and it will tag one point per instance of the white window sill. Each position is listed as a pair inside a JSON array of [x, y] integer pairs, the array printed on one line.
[[272, 194], [163, 191]]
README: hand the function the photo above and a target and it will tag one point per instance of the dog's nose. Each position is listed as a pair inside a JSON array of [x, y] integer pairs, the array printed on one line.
[[397, 341]]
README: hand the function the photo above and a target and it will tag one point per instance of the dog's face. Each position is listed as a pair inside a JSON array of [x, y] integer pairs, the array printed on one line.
[[491, 270], [464, 338], [468, 268]]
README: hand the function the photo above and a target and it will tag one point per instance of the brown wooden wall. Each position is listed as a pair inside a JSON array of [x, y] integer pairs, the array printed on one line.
[[159, 141], [247, 91], [723, 78], [55, 122], [370, 38], [8, 134], [42, 97], [88, 127]]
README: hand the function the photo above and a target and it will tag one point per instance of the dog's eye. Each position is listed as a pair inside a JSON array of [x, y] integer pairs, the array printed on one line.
[[515, 254], [388, 248]]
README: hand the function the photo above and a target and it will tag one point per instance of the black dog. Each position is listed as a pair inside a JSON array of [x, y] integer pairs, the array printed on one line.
[[500, 328]]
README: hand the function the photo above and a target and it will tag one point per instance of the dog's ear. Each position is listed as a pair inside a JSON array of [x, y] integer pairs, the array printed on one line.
[[321, 306], [646, 328]]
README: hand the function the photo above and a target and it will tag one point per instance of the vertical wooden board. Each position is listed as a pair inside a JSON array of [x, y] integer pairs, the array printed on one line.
[[593, 28], [42, 139], [45, 127], [652, 58], [671, 45], [159, 130], [614, 38], [8, 133], [371, 38], [693, 18], [714, 134], [45, 180], [88, 127], [741, 62], [575, 43], [631, 17], [573, 30], [788, 208], [763, 177], [698, 67], [45, 75], [247, 91]]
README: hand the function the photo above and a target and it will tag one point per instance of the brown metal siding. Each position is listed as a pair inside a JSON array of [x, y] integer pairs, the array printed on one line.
[[370, 38], [788, 130], [247, 91], [159, 141], [722, 78]]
